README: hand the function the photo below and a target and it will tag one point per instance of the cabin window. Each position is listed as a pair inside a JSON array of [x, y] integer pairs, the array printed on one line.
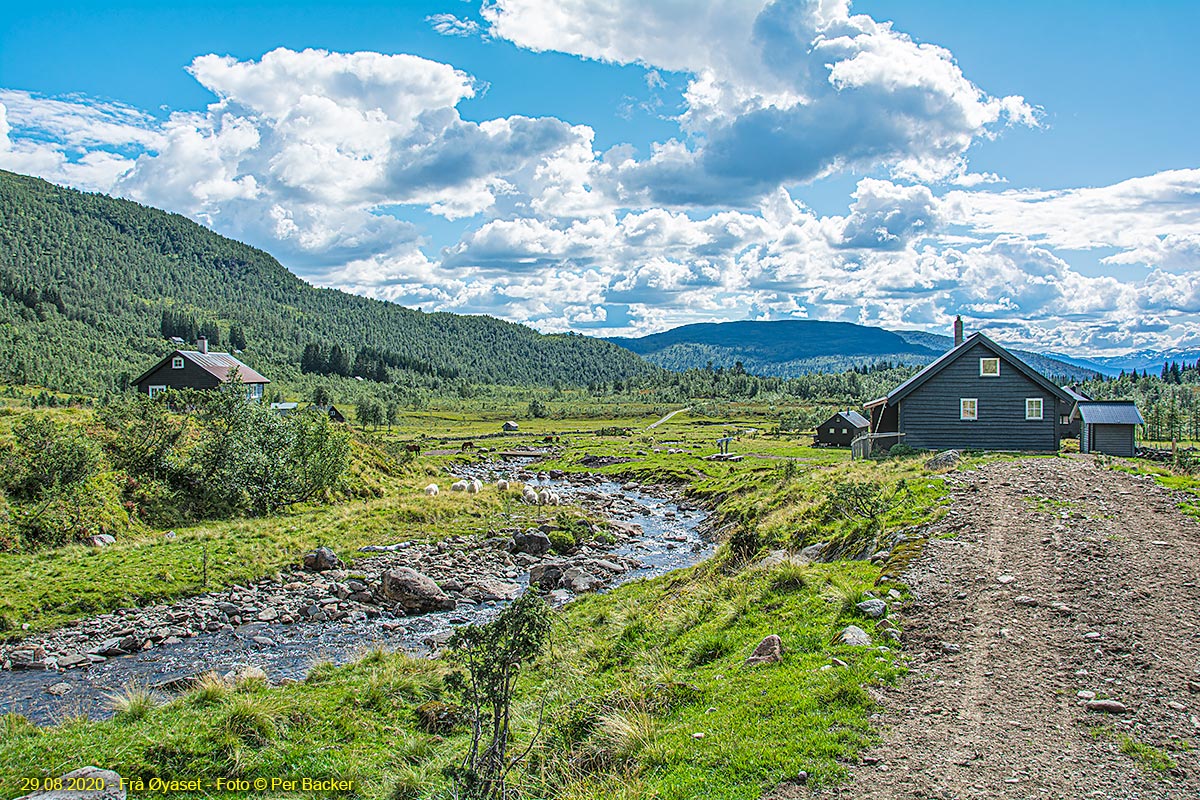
[[989, 368], [177, 362], [831, 430], [156, 390], [968, 408], [254, 391], [1033, 408], [844, 430]]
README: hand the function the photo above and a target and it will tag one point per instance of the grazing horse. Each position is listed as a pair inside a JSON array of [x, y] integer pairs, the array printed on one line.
[[413, 448], [550, 439], [467, 446]]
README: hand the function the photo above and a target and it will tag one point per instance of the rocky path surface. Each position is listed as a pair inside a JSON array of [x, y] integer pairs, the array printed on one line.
[[1054, 644]]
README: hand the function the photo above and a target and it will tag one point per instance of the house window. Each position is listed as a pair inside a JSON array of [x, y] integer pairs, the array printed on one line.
[[1033, 408], [254, 391], [156, 390], [831, 430], [843, 430], [177, 362], [989, 368], [968, 408]]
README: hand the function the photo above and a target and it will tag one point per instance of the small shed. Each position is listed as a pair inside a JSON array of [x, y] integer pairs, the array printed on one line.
[[511, 427], [333, 413], [841, 429], [283, 409], [1108, 426]]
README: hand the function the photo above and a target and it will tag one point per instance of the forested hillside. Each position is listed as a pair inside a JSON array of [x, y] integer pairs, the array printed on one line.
[[91, 286]]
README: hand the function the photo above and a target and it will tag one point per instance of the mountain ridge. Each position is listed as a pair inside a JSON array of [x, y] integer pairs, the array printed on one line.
[[788, 348]]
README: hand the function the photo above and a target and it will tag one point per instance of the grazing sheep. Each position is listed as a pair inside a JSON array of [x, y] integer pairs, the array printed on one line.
[[502, 485], [544, 497], [431, 490], [529, 495], [458, 486], [475, 486]]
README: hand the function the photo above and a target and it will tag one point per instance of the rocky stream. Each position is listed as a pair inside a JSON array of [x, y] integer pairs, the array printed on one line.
[[408, 595]]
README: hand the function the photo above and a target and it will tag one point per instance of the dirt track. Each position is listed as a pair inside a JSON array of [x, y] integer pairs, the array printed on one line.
[[991, 708]]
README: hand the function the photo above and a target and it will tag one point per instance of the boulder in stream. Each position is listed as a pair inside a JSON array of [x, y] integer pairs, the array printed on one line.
[[414, 592]]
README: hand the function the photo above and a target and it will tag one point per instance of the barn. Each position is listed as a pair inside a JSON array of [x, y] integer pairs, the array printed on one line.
[[1108, 426], [840, 429], [977, 396]]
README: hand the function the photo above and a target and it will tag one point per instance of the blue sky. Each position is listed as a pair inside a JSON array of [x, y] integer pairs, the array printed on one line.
[[617, 167]]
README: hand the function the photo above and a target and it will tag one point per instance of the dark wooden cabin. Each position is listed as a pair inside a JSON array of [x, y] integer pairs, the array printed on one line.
[[978, 396], [840, 429], [1108, 426], [199, 369]]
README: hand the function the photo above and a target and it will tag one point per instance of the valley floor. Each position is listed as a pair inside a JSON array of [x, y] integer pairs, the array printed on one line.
[[1049, 583]]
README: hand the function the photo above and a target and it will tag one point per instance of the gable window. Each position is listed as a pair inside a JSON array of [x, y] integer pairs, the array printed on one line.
[[1033, 408], [989, 368], [177, 362], [968, 408]]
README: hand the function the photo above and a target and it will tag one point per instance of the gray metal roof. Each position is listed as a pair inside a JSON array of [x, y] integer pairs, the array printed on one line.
[[1110, 412], [856, 419]]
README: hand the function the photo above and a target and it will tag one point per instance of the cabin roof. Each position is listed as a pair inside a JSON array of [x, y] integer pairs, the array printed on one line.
[[950, 356], [220, 365], [854, 418], [1108, 412]]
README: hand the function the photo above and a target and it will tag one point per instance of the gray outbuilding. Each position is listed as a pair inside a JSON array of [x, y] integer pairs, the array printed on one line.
[[1108, 426]]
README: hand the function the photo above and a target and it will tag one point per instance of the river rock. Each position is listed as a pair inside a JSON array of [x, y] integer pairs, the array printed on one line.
[[579, 580], [545, 576], [488, 589], [535, 543], [769, 651], [873, 608], [414, 592], [854, 635], [113, 788], [28, 658], [322, 560], [73, 660]]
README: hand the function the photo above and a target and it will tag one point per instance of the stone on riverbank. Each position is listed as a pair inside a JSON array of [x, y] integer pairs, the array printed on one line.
[[414, 592]]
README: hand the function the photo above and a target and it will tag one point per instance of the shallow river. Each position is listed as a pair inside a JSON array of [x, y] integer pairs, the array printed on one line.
[[671, 540]]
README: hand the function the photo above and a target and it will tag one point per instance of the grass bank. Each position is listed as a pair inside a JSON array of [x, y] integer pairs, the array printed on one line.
[[631, 678]]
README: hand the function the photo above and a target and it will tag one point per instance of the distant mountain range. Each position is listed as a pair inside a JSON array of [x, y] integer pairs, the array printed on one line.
[[788, 348]]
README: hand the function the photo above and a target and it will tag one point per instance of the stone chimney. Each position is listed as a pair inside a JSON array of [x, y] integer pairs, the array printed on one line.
[[202, 344], [958, 331]]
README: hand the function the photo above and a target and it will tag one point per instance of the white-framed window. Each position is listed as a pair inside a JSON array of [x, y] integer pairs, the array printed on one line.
[[968, 408], [1033, 408], [254, 391], [156, 390], [177, 362], [989, 368]]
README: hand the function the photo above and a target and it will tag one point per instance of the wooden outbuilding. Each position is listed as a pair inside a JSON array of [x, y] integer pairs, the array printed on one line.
[[841, 429], [511, 427], [1108, 426]]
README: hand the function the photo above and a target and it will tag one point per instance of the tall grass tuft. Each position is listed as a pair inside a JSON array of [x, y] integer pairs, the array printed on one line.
[[210, 690], [249, 719], [790, 576], [132, 702]]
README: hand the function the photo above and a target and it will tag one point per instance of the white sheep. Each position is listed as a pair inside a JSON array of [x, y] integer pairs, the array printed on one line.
[[474, 487], [543, 497], [458, 486], [502, 485], [431, 490], [529, 495]]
